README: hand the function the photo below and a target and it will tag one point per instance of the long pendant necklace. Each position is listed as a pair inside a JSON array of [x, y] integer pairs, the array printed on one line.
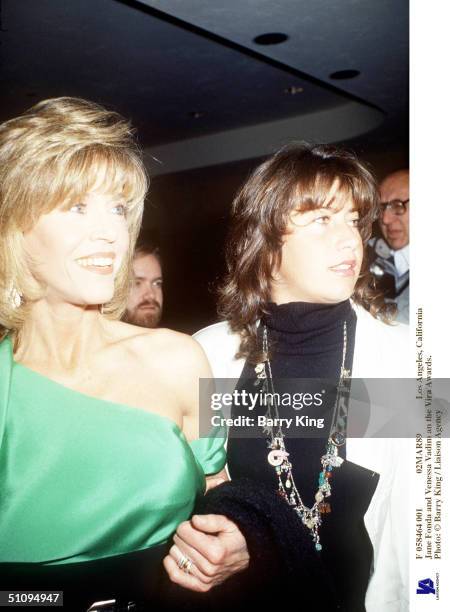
[[278, 456]]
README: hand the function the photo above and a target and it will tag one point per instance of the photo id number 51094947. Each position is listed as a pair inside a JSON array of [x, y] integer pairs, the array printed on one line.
[[35, 599]]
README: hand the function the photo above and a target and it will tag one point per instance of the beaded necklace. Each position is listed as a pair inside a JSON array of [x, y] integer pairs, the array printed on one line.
[[278, 456]]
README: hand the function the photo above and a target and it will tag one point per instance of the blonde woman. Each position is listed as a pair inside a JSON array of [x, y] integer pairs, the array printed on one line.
[[99, 460]]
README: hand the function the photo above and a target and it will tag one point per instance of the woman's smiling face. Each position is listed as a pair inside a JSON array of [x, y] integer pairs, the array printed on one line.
[[322, 253], [76, 253]]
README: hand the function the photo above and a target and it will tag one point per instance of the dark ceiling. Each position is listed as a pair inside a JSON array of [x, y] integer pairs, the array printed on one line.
[[183, 69], [208, 101]]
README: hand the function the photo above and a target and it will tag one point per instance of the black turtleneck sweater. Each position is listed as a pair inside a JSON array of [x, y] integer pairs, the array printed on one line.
[[306, 342]]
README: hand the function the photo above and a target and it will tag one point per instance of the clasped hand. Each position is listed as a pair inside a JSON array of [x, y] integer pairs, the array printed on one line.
[[216, 548]]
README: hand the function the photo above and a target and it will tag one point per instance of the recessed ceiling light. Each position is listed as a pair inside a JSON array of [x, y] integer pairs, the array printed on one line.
[[271, 38], [197, 114], [344, 74], [293, 90]]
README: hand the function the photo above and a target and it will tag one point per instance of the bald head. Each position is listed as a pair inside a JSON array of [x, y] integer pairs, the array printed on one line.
[[395, 228]]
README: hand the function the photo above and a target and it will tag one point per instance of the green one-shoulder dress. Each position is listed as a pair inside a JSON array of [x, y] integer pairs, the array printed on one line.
[[83, 479]]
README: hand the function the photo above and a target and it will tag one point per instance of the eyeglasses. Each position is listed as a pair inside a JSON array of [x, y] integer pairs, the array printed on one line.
[[396, 207]]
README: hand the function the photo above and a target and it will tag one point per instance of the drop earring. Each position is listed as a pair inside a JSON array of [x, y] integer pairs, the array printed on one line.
[[15, 298]]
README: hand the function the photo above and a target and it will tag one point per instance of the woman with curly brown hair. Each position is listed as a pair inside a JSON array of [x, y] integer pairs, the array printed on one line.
[[300, 310]]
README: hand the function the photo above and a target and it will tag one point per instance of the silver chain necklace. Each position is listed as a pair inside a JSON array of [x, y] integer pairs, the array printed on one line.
[[278, 456]]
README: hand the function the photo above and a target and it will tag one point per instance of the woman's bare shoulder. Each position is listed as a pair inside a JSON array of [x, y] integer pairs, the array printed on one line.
[[160, 345]]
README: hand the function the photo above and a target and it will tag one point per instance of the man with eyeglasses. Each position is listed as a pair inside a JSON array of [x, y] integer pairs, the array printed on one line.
[[390, 264]]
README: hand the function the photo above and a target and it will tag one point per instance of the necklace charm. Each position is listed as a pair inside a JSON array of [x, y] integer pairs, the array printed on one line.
[[324, 508], [278, 456], [337, 438], [260, 370]]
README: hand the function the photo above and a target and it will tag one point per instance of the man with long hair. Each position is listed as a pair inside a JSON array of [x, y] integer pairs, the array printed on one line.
[[145, 300]]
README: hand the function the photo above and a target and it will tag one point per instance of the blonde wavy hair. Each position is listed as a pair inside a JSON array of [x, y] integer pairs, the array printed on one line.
[[51, 156]]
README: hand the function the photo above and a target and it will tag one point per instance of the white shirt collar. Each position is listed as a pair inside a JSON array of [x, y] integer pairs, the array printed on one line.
[[401, 260]]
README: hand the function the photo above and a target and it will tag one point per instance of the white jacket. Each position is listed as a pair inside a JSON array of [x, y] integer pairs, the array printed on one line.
[[381, 351]]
